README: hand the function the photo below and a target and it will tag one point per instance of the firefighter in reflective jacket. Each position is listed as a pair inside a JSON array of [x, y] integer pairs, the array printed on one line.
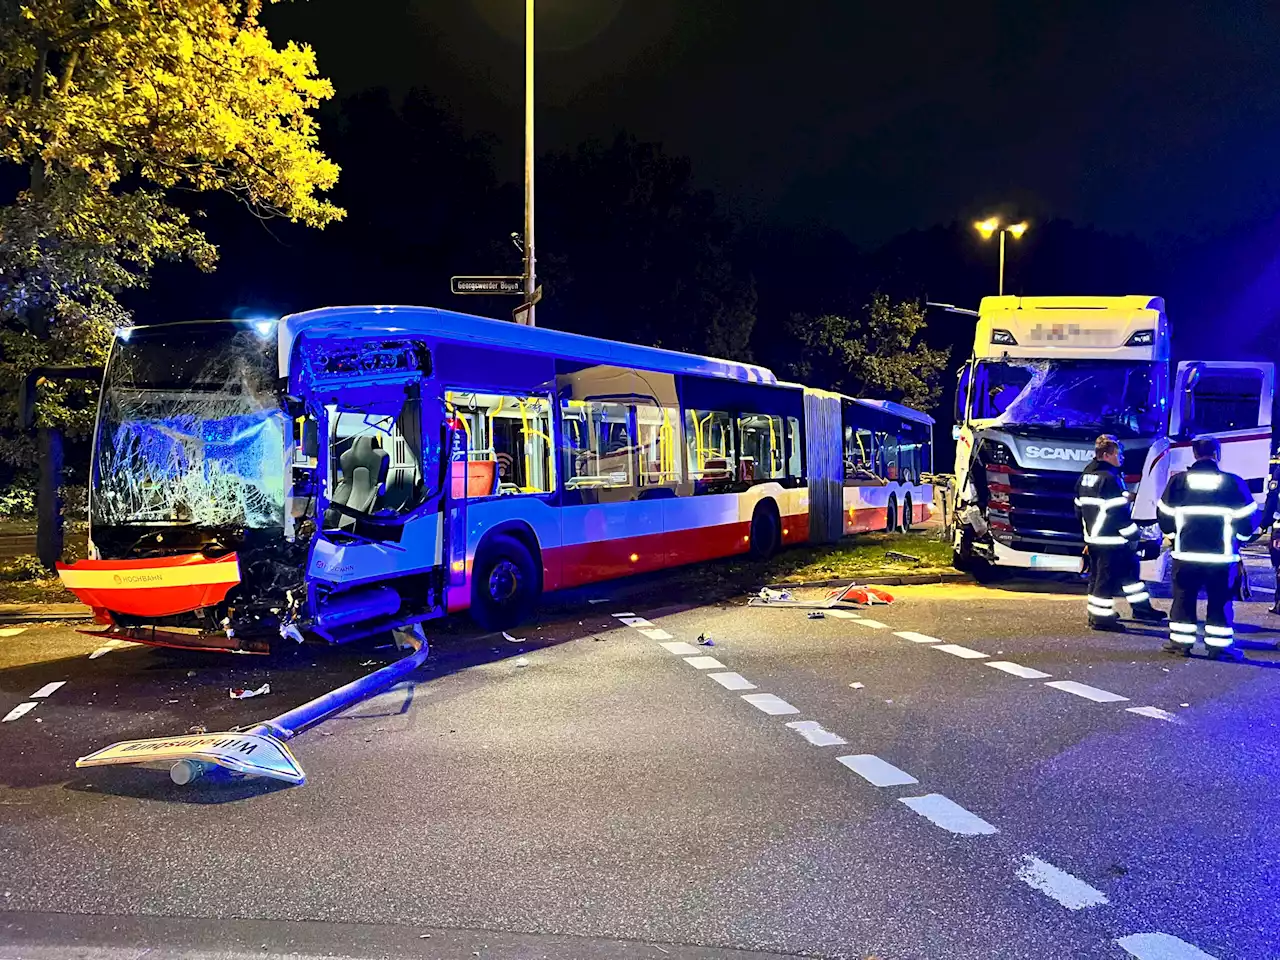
[[1209, 514], [1111, 537], [1271, 519]]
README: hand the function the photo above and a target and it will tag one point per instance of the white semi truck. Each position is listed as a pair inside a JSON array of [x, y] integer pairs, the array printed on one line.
[[1047, 375]]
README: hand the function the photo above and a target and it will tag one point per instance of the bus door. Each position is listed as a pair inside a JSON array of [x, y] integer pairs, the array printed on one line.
[[1230, 401]]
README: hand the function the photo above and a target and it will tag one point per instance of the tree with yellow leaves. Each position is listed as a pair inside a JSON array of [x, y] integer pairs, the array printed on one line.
[[110, 109]]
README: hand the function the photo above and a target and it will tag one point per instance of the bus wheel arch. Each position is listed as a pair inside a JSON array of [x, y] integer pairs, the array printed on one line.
[[506, 577], [766, 529]]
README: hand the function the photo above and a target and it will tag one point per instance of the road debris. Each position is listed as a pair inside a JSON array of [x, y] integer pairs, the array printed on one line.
[[857, 686], [597, 600], [11, 631], [371, 663], [902, 557], [706, 640], [522, 662], [239, 693], [817, 615], [198, 729], [510, 639]]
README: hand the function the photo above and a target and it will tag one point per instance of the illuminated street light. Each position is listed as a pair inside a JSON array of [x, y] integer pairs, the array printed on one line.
[[991, 226]]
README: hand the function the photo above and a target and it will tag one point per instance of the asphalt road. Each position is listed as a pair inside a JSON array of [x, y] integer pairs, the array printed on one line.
[[592, 793]]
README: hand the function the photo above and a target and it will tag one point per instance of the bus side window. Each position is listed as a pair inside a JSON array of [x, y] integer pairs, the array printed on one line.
[[795, 462], [709, 441], [598, 450], [762, 447], [509, 445], [859, 457], [659, 430]]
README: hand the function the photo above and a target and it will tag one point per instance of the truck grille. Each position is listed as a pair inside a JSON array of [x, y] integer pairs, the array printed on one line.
[[1031, 510]]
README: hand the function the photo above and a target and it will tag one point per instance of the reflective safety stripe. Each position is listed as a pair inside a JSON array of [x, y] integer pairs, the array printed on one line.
[[1246, 511], [1101, 611], [1219, 642], [1175, 627], [1243, 536], [1214, 558], [1204, 481], [1129, 531], [1142, 597], [1217, 631], [1101, 601], [1134, 587], [1182, 639], [1107, 541], [1164, 507], [1105, 502]]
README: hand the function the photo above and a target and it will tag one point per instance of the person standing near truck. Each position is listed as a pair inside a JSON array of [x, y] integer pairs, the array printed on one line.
[[1271, 523], [1111, 539], [1209, 513]]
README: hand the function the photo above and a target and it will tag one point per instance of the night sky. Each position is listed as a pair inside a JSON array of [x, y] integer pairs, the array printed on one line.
[[1139, 117]]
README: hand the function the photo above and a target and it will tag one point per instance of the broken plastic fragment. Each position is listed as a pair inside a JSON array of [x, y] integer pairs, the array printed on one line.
[[706, 640], [238, 693], [511, 639], [817, 615], [522, 662], [857, 686]]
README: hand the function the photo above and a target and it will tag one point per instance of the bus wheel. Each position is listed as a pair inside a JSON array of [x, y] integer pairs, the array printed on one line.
[[504, 584], [764, 531], [908, 517], [891, 515]]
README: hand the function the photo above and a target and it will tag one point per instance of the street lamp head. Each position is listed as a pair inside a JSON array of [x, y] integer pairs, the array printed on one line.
[[1017, 229], [987, 227]]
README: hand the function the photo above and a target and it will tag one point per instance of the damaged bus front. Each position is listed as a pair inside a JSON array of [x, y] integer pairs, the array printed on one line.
[[247, 485]]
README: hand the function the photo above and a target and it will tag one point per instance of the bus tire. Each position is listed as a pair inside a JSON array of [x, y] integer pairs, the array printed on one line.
[[891, 515], [908, 516], [765, 529], [505, 585]]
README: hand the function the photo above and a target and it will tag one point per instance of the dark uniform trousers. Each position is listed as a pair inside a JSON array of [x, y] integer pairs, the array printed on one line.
[[1218, 581], [1115, 572]]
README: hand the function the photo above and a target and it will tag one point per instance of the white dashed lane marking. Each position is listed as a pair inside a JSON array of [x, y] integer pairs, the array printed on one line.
[[1161, 946], [732, 681], [916, 637], [774, 706], [1086, 691], [635, 621], [877, 772], [704, 663], [47, 689], [680, 647], [812, 731], [628, 613], [21, 710], [110, 645], [657, 634], [1154, 713], [1071, 892], [873, 624], [11, 631], [949, 815], [1026, 673], [842, 614], [964, 653]]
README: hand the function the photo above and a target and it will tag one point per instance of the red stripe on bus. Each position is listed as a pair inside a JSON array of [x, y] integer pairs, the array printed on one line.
[[1182, 444]]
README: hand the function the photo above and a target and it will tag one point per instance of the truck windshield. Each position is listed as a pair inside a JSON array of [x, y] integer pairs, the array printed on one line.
[[190, 430], [1111, 396]]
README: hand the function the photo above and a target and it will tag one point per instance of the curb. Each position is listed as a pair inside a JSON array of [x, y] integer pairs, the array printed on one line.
[[906, 579], [32, 613]]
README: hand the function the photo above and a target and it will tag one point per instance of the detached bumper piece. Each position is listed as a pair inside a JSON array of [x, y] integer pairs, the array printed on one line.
[[180, 640], [156, 587]]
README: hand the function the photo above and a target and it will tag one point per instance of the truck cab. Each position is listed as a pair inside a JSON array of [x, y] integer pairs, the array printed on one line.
[[1047, 376]]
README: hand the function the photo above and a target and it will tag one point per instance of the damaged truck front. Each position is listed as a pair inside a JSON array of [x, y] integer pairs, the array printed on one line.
[[251, 482], [1047, 376]]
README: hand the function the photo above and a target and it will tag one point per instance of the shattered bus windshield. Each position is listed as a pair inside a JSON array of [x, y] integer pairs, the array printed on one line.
[[190, 430], [1093, 395]]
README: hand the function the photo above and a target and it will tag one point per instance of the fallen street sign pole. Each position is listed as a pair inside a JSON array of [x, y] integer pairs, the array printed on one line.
[[487, 286], [259, 751]]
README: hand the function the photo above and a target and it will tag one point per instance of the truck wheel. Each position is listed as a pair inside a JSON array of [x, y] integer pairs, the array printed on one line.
[[891, 515], [505, 585], [908, 516], [764, 531]]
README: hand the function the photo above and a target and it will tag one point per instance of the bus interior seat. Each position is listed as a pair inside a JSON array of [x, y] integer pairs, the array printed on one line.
[[482, 478], [364, 474]]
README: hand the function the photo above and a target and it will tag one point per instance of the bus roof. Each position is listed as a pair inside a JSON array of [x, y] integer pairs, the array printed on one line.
[[429, 321], [897, 409]]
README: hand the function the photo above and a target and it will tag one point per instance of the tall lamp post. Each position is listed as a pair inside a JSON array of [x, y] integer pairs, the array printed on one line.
[[525, 313], [988, 228]]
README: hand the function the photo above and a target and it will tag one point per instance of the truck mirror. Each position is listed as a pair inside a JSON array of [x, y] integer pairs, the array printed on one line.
[[955, 431], [295, 406]]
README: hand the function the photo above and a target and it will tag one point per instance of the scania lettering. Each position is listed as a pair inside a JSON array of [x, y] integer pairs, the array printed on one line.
[[1047, 375], [348, 471]]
